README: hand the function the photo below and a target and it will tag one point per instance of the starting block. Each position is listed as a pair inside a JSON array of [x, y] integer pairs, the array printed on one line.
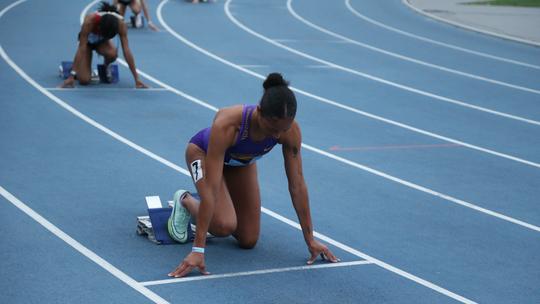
[[64, 69], [137, 21], [102, 73], [98, 74], [154, 225]]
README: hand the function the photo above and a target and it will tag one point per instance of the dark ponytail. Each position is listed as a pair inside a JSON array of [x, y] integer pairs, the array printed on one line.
[[107, 7], [278, 101]]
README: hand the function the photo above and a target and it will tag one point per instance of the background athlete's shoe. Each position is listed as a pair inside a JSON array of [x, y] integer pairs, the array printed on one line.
[[179, 220], [108, 73]]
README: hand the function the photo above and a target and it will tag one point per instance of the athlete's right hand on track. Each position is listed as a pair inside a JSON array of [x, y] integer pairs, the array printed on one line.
[[193, 260], [68, 83], [140, 85]]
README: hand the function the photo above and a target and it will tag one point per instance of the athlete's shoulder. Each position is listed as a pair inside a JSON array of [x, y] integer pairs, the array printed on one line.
[[226, 124], [229, 116], [88, 21], [292, 136]]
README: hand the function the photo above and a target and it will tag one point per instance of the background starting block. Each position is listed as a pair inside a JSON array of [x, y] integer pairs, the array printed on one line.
[[134, 23], [65, 69], [66, 66], [102, 73]]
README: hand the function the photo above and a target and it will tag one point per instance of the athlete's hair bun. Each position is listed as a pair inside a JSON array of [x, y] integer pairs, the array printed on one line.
[[274, 80], [278, 101], [107, 7]]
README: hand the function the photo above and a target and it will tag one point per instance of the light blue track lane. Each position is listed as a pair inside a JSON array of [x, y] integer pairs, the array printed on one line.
[[397, 71], [483, 54], [353, 52], [326, 47], [415, 110], [395, 14]]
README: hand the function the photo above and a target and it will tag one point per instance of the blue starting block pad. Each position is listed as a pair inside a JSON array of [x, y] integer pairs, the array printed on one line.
[[99, 74], [154, 225], [137, 23], [65, 69]]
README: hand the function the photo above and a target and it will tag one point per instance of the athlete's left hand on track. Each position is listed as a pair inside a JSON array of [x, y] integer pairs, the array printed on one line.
[[317, 248], [140, 85], [153, 27]]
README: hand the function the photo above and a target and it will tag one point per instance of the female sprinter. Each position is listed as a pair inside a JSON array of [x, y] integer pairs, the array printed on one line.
[[96, 33], [136, 7], [222, 162]]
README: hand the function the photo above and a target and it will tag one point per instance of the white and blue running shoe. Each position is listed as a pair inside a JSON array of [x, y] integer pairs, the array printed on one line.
[[178, 222]]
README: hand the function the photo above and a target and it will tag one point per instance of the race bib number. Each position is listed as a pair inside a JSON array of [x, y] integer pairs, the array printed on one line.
[[196, 170]]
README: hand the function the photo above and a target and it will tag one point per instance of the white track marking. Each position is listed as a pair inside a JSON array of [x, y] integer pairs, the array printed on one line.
[[322, 99], [471, 28], [422, 189], [371, 77], [450, 46], [405, 58], [255, 272]]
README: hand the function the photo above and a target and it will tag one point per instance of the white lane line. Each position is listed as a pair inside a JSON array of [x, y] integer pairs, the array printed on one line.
[[328, 101], [422, 189], [374, 260], [255, 272], [78, 246], [318, 66], [471, 28], [450, 46], [85, 118], [309, 40], [374, 78], [406, 58]]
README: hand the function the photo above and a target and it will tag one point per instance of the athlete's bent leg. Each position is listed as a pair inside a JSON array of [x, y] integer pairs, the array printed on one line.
[[244, 190], [223, 222]]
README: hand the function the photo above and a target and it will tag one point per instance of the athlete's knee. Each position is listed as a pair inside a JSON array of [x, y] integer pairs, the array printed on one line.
[[136, 7], [247, 242], [109, 53], [112, 55]]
